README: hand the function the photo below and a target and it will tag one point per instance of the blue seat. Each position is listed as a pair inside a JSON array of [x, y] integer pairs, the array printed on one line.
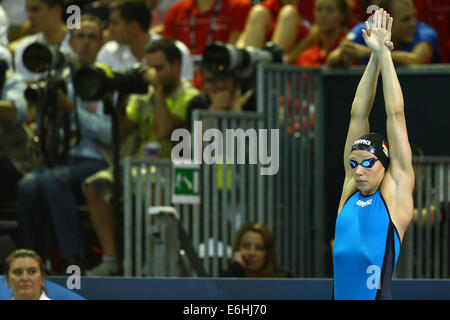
[[54, 291]]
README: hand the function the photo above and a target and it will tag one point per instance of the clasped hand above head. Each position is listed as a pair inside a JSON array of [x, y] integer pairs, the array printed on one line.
[[378, 38], [349, 51]]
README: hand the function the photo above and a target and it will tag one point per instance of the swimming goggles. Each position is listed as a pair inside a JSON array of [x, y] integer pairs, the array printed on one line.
[[368, 163]]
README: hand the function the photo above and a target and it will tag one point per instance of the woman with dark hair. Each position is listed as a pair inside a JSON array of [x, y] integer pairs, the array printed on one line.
[[24, 273], [376, 204], [254, 254]]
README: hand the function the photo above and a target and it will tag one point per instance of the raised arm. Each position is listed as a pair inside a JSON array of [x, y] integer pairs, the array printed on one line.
[[400, 151], [361, 106], [398, 182], [365, 93], [359, 122]]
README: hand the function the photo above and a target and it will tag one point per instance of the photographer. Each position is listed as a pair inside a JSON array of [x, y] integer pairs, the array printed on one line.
[[154, 116], [45, 17], [223, 69], [221, 91], [55, 190], [16, 152]]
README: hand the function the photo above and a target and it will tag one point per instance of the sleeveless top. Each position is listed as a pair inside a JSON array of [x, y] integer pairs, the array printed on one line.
[[366, 249]]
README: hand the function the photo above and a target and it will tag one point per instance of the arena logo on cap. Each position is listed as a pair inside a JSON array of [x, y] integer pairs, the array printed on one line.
[[363, 141]]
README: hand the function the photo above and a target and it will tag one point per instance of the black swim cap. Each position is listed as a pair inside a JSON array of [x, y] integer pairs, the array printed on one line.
[[376, 144]]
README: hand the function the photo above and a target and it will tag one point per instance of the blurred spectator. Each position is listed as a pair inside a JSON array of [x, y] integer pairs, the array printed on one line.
[[357, 11], [16, 147], [19, 26], [436, 13], [24, 273], [360, 11], [5, 56], [100, 10], [4, 25], [199, 23], [287, 23], [159, 11], [13, 114], [331, 17], [45, 19], [414, 42], [54, 191], [221, 91], [154, 116], [421, 184], [129, 28], [254, 254]]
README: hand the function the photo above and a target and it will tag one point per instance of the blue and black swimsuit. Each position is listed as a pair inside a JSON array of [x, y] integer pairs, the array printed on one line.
[[366, 249]]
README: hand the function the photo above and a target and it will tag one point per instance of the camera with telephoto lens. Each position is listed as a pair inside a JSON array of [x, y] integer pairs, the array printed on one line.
[[98, 81], [56, 135], [40, 57], [221, 57]]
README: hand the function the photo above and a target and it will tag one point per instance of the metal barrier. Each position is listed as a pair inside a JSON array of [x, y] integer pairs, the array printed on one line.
[[290, 99], [232, 193], [229, 196], [290, 202], [295, 202], [425, 247], [148, 183]]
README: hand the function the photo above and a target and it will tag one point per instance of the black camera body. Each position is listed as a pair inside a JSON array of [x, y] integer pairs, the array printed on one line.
[[39, 57], [38, 92], [97, 82]]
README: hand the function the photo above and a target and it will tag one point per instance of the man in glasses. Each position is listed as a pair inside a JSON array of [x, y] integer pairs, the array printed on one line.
[[376, 204], [87, 41]]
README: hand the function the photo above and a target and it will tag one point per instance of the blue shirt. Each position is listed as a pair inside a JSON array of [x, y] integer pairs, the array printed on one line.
[[95, 126], [423, 33], [366, 249]]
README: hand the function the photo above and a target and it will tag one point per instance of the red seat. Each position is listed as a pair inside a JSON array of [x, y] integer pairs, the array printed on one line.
[[421, 6], [438, 16]]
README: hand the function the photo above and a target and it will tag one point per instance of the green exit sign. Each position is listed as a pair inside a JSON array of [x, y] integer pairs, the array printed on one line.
[[186, 184]]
